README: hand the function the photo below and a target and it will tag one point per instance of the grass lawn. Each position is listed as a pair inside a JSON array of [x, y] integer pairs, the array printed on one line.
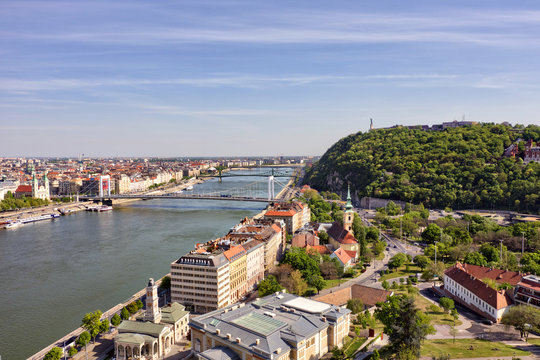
[[466, 348], [437, 317], [534, 341], [353, 345], [332, 283], [413, 269]]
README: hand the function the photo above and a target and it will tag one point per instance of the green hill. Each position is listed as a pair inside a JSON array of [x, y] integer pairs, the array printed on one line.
[[460, 167]]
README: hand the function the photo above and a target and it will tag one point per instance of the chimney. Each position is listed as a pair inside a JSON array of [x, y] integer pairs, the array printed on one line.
[[218, 331], [257, 341], [278, 350], [228, 336], [238, 340]]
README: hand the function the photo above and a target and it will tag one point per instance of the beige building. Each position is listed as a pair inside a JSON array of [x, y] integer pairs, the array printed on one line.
[[237, 272], [122, 184], [152, 335], [295, 215], [277, 327], [201, 281], [254, 262]]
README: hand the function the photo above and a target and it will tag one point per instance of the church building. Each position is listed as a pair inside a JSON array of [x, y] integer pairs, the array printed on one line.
[[152, 335]]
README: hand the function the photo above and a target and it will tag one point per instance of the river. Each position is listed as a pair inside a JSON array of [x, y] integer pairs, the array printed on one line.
[[53, 272]]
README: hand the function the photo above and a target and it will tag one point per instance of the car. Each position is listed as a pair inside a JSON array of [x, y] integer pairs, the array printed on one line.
[[487, 322]]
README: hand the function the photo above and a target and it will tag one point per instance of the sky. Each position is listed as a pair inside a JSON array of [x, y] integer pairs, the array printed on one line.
[[262, 78]]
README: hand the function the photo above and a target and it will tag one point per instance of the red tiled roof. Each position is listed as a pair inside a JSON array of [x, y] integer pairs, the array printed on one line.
[[24, 189], [499, 275], [234, 252], [276, 227], [494, 298], [351, 253], [530, 284], [304, 239], [342, 256], [280, 213], [320, 248]]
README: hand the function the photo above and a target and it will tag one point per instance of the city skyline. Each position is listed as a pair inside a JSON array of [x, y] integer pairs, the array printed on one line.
[[234, 78]]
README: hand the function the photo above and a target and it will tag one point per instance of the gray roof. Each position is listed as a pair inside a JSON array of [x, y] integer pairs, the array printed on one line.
[[271, 321], [172, 313], [219, 353], [141, 327], [134, 338]]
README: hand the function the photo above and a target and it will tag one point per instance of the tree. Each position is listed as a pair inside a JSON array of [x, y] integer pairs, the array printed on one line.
[[475, 258], [397, 260], [297, 285], [299, 260], [447, 304], [421, 261], [405, 324], [431, 234], [329, 270], [524, 318], [104, 326], [318, 282], [385, 285], [54, 354], [92, 322], [165, 282], [124, 313], [323, 237], [379, 247], [139, 304], [372, 234], [132, 307], [83, 340], [116, 320], [269, 286], [355, 305], [72, 351], [454, 314]]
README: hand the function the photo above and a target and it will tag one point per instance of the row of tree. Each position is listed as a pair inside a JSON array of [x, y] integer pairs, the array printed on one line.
[[12, 203]]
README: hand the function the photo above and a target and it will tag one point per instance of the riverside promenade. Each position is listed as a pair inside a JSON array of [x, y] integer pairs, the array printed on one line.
[[101, 347]]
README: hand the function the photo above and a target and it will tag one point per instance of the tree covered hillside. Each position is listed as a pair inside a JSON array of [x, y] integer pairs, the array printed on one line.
[[460, 167]]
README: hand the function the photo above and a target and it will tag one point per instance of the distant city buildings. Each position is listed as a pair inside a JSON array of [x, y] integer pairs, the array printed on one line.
[[276, 327]]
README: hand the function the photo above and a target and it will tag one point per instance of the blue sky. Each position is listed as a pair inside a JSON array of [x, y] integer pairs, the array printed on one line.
[[208, 78]]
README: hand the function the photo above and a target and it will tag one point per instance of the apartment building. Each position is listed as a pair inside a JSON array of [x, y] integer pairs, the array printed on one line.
[[201, 281], [237, 272], [277, 327], [295, 215], [527, 291], [254, 262]]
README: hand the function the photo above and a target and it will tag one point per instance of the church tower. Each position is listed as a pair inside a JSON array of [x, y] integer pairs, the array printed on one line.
[[35, 185], [153, 313], [348, 216]]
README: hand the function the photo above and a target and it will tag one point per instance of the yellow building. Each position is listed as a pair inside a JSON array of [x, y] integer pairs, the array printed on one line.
[[237, 272]]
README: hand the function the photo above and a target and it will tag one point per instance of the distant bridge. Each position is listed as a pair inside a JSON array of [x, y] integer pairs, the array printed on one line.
[[181, 196]]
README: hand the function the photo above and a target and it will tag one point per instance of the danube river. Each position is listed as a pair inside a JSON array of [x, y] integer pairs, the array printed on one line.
[[54, 272]]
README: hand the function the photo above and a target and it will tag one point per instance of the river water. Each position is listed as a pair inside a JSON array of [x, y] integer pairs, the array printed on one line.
[[53, 272]]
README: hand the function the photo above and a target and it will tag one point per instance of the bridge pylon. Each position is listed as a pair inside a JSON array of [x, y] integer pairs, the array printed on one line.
[[271, 194]]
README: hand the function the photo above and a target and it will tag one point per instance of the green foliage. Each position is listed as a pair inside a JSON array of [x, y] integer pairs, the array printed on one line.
[[12, 203], [84, 338], [54, 354], [397, 260], [300, 260], [317, 282], [431, 234], [132, 308], [385, 285], [524, 318], [165, 282], [269, 286], [461, 167], [124, 313], [104, 326], [421, 261], [323, 237], [139, 304], [355, 305], [116, 320], [91, 322], [72, 351], [447, 304], [475, 258], [405, 325]]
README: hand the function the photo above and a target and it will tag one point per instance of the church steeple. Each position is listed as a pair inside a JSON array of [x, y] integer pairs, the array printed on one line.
[[348, 215]]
